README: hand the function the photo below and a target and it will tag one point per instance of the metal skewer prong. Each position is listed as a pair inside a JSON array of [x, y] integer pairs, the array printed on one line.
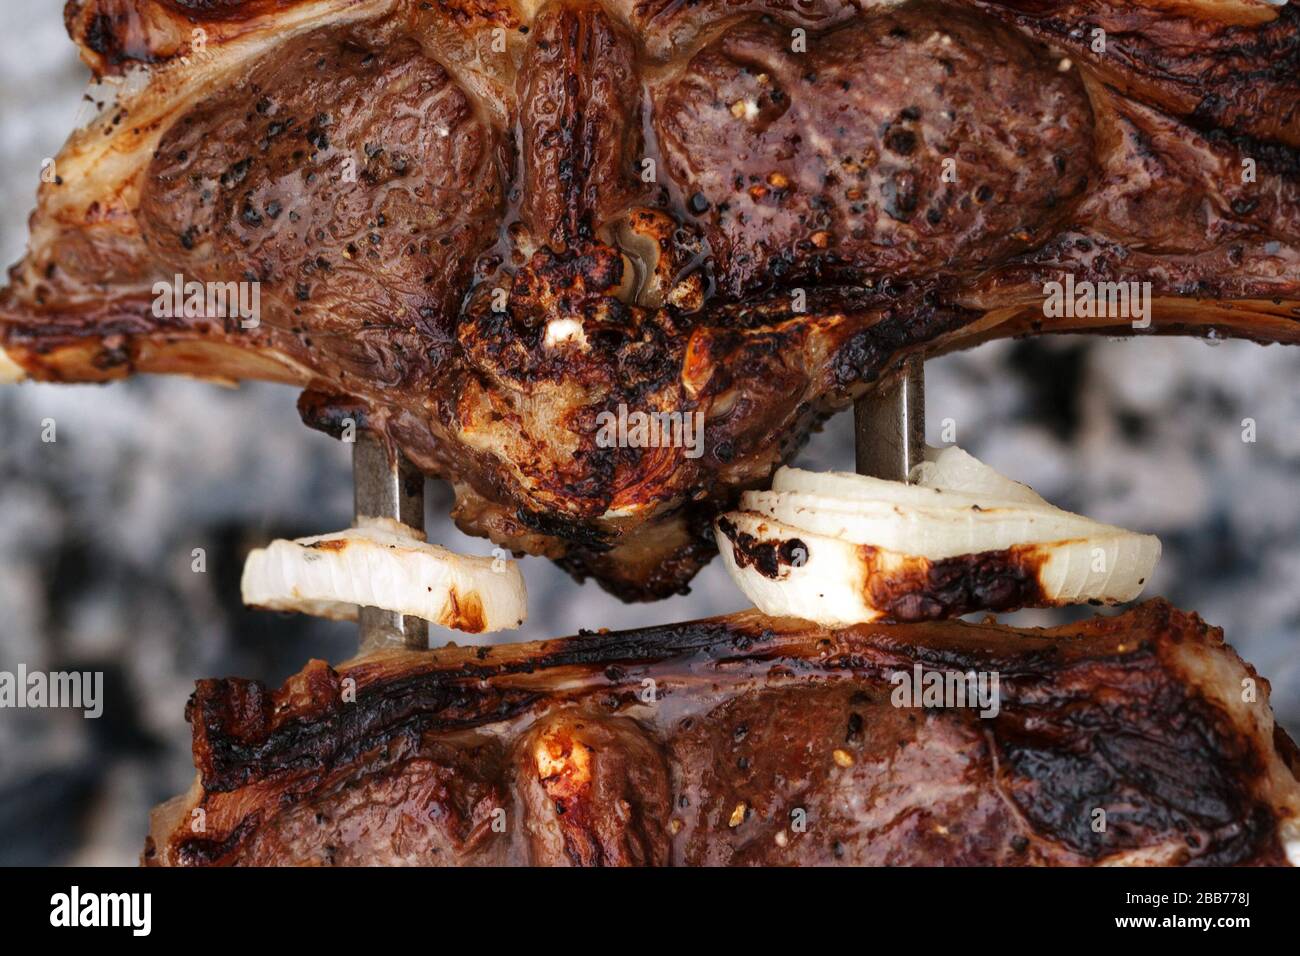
[[889, 425], [387, 488]]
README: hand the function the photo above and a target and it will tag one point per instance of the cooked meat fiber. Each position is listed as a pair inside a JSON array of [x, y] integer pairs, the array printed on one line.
[[477, 227], [748, 740]]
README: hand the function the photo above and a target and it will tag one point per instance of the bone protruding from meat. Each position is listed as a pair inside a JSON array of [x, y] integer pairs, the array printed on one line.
[[841, 549], [387, 565]]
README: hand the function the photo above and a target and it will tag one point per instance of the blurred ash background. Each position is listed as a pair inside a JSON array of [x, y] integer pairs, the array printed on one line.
[[97, 529]]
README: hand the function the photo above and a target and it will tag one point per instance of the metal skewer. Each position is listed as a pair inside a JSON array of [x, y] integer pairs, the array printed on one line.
[[387, 488], [889, 425]]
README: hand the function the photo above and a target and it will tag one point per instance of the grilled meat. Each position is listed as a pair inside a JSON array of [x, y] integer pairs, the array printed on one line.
[[1140, 738], [477, 227]]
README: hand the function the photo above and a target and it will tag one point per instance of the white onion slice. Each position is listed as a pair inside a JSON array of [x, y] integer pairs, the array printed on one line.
[[931, 531], [388, 565], [946, 478], [951, 469], [838, 548]]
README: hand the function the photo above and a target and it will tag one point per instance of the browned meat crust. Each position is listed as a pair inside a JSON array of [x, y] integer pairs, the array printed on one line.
[[736, 226], [747, 740]]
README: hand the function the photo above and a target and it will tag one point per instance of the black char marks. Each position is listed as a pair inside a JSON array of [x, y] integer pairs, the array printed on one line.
[[1240, 76], [926, 590], [769, 557], [1126, 777], [754, 719]]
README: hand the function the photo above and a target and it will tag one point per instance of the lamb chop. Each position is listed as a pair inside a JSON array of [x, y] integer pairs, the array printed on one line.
[[474, 228], [1138, 739]]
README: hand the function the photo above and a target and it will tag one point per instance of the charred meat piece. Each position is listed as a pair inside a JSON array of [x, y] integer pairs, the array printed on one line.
[[485, 229], [1140, 738]]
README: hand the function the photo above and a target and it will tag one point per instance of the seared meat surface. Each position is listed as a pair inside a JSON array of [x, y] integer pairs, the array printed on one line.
[[477, 228], [1140, 738], [892, 97]]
